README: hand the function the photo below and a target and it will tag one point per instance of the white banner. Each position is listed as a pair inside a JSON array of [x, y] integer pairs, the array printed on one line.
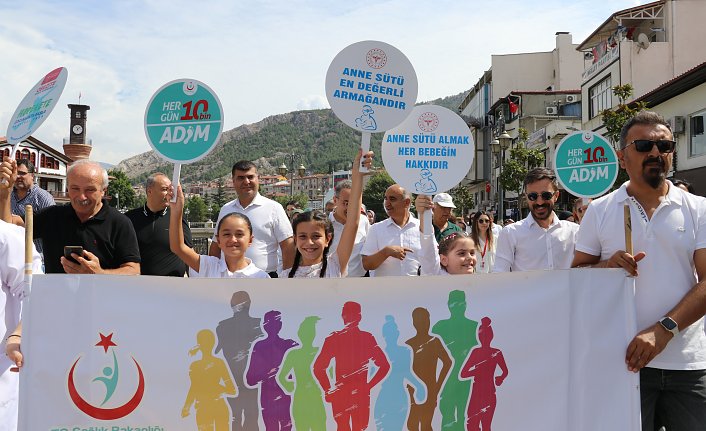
[[534, 350]]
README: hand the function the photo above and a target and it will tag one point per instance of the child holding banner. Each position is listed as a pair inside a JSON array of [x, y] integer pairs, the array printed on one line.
[[233, 236], [313, 233], [456, 253]]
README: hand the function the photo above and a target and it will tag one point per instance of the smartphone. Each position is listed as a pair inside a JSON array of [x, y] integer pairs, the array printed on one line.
[[68, 249]]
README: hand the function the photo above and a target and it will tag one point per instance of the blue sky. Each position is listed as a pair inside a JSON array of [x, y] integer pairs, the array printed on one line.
[[261, 57]]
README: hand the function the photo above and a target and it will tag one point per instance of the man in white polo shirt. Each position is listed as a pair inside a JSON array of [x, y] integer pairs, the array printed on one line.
[[669, 239], [392, 245], [270, 225], [540, 240], [338, 219]]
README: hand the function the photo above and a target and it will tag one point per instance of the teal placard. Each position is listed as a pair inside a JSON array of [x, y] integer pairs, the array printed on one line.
[[183, 120], [586, 164]]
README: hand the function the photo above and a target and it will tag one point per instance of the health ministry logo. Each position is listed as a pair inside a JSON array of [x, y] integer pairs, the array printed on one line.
[[110, 379]]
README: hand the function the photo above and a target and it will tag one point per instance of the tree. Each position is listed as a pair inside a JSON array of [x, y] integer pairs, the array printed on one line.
[[219, 199], [463, 198], [374, 193], [521, 161], [613, 121], [195, 209], [120, 190]]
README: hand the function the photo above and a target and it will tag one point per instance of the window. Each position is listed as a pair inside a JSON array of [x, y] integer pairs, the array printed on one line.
[[33, 159], [697, 138], [600, 97], [42, 161], [78, 114]]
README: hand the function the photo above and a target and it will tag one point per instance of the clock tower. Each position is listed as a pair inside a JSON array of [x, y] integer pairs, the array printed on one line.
[[78, 147]]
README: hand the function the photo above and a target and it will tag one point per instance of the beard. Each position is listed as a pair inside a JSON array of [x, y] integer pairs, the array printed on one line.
[[536, 208], [654, 172]]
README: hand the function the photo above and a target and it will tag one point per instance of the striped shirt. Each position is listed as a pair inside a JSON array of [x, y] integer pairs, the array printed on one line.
[[38, 198]]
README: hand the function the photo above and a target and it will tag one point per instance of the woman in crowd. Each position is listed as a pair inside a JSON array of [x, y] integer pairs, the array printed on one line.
[[482, 234]]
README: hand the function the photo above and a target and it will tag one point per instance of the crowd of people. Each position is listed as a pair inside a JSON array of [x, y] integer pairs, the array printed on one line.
[[256, 237]]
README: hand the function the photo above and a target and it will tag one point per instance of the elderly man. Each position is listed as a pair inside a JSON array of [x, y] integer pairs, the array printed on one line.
[[151, 223], [443, 204], [271, 227], [342, 194], [579, 208], [540, 240], [393, 244], [107, 237], [26, 192], [669, 238]]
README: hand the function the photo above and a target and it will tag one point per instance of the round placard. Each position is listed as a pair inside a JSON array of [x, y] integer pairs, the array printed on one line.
[[586, 164], [36, 105], [430, 152], [183, 120], [371, 86]]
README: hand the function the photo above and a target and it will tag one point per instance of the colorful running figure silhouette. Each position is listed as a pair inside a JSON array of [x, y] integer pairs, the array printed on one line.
[[352, 350], [265, 360], [428, 352], [210, 381], [308, 409], [391, 404], [109, 379], [235, 337], [459, 336], [481, 366]]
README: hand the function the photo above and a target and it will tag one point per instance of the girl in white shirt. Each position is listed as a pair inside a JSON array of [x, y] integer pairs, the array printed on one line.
[[455, 254], [233, 236], [485, 239], [313, 233]]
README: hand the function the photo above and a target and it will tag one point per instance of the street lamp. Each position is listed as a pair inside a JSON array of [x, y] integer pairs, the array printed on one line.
[[117, 204], [499, 145], [282, 170]]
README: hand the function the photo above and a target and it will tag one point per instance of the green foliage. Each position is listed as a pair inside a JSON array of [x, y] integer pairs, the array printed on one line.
[[521, 161], [195, 209], [374, 193], [613, 121], [301, 198], [121, 190], [140, 201], [463, 199], [219, 199]]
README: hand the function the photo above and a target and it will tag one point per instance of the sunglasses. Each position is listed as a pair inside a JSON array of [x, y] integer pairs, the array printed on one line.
[[484, 221], [645, 145], [545, 195], [21, 174]]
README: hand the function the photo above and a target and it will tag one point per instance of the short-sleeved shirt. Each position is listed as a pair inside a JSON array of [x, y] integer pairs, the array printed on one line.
[[525, 245], [270, 226], [387, 232], [669, 239], [355, 263], [213, 267], [38, 198], [152, 231], [448, 230], [109, 235]]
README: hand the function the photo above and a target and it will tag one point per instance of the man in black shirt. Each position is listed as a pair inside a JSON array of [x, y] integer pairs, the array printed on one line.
[[151, 223], [107, 237]]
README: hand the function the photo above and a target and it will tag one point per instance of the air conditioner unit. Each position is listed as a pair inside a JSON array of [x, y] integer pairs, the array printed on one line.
[[551, 110], [571, 98]]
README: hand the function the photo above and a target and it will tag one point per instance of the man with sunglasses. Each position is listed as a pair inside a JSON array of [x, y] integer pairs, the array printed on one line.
[[540, 240], [669, 238]]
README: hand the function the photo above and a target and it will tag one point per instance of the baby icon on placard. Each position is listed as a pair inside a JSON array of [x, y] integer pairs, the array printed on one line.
[[367, 121], [425, 185]]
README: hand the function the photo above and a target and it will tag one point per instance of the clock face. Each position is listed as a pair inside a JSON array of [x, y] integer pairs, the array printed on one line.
[[77, 129]]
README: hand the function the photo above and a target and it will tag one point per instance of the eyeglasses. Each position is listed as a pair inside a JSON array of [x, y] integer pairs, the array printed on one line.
[[21, 174], [545, 195], [645, 145], [483, 220]]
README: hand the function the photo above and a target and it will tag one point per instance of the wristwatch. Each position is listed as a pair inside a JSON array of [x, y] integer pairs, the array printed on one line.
[[670, 325]]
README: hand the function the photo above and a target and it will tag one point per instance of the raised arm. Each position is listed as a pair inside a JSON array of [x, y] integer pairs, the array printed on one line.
[[350, 229], [176, 233]]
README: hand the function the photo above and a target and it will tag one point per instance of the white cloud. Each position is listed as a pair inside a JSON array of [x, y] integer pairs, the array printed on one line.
[[261, 58]]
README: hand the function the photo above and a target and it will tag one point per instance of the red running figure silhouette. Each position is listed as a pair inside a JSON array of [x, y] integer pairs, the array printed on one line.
[[352, 350], [481, 366]]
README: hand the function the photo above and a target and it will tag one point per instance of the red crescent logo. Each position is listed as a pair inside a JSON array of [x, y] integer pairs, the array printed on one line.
[[190, 86], [107, 414]]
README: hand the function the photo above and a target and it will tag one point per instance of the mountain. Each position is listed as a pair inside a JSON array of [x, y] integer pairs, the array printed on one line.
[[319, 140]]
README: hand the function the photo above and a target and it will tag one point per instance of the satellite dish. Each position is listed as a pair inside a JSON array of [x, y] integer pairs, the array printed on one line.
[[643, 41]]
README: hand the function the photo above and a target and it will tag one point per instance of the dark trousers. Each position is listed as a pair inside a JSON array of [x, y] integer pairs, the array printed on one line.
[[673, 399]]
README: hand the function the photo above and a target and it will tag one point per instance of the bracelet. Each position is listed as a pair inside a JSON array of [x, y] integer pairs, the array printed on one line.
[[14, 335]]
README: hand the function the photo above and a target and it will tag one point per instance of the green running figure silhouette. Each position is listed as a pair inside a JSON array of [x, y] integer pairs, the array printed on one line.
[[308, 410], [110, 380], [459, 336]]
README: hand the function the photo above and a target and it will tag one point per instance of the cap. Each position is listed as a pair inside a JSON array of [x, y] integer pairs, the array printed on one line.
[[444, 200]]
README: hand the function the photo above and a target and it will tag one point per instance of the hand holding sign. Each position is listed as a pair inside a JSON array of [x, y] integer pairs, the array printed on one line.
[[183, 122], [429, 153], [371, 86]]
